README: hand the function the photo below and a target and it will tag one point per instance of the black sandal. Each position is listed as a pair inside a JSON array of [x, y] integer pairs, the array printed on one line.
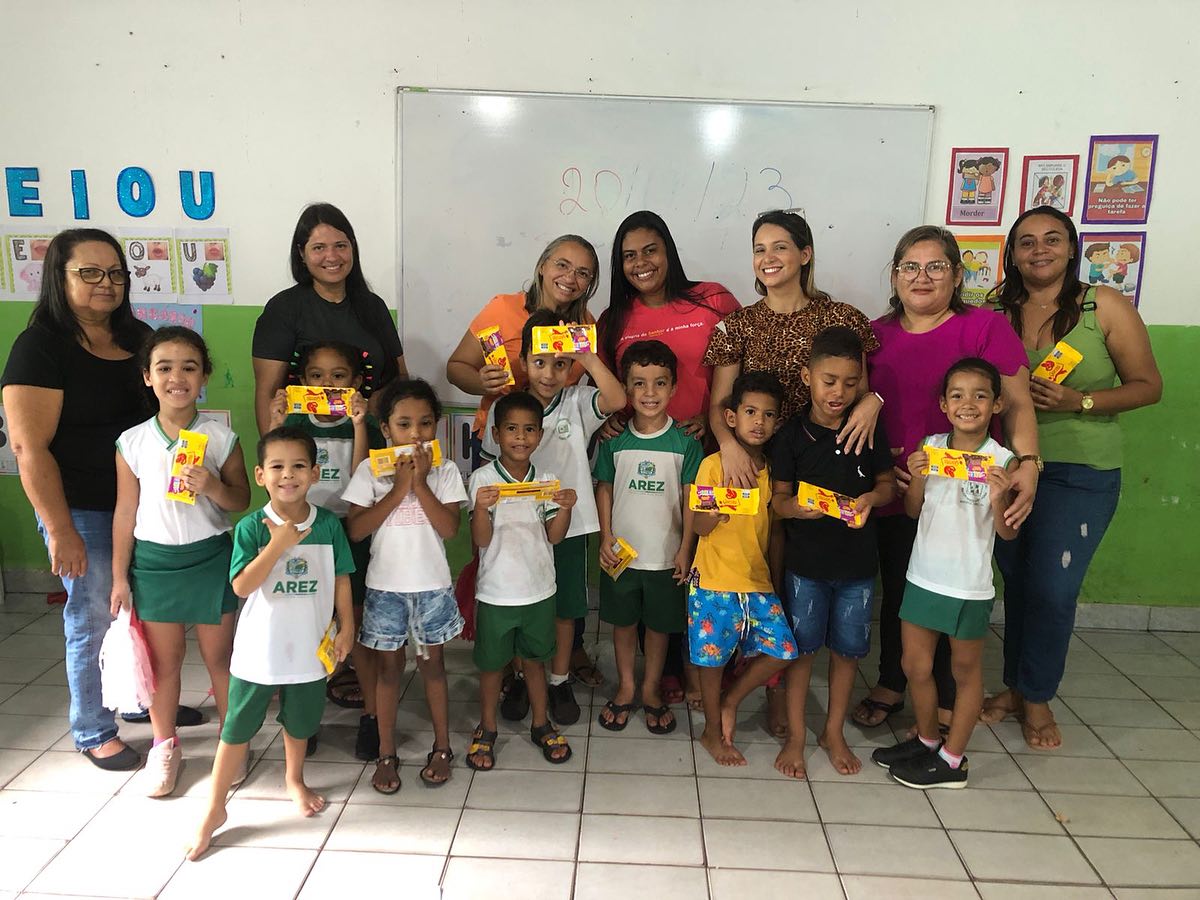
[[547, 737], [658, 712], [341, 685], [448, 756], [616, 709], [873, 706], [483, 744], [393, 761]]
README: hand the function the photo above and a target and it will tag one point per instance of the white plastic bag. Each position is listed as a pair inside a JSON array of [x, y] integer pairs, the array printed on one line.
[[126, 675]]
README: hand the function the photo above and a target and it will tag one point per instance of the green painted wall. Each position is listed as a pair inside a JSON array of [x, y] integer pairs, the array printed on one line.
[[1146, 555]]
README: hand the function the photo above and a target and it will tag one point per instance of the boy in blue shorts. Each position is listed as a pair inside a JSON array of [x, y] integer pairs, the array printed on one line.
[[830, 564], [292, 562], [515, 587], [642, 478], [732, 601]]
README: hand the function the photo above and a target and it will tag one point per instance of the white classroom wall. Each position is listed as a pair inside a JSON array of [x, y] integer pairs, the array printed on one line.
[[288, 102]]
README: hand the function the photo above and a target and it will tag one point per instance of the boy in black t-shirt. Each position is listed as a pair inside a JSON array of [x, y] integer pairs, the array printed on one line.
[[831, 564]]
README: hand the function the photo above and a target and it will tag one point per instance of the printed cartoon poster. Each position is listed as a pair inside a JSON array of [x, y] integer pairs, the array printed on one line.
[[202, 261], [23, 261], [1120, 178], [1049, 181], [1115, 260], [982, 264], [976, 193], [151, 265]]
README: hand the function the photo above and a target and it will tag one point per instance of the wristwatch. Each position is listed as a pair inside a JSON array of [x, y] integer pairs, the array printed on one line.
[[1037, 460], [1086, 402]]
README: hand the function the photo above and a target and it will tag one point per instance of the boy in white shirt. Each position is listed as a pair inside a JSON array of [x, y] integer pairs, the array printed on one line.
[[515, 586], [571, 415], [293, 564]]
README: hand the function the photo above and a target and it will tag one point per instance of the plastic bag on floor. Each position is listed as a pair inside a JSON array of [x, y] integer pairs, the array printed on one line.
[[126, 673]]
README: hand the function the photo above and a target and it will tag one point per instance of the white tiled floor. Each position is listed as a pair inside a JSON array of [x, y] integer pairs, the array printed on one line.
[[1115, 813]]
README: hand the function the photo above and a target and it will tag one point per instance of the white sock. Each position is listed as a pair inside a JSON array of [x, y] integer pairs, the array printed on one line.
[[556, 680], [932, 744], [951, 759]]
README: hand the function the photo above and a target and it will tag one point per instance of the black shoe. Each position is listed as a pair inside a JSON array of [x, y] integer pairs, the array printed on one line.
[[311, 747], [563, 708], [366, 745], [185, 717], [902, 752], [515, 705], [127, 759], [930, 771]]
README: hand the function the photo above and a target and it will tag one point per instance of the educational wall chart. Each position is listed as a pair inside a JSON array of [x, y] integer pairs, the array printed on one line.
[[976, 192], [151, 263], [23, 259], [1120, 179], [202, 256], [1114, 259], [1049, 181], [982, 264]]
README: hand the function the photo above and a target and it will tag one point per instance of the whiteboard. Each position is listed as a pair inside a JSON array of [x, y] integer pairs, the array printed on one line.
[[486, 179]]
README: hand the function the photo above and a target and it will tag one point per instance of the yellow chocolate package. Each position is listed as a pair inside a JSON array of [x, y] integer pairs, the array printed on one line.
[[729, 501], [948, 463], [320, 401], [494, 351], [831, 503], [1059, 363], [383, 462], [538, 490], [625, 555], [563, 339], [325, 652], [189, 451]]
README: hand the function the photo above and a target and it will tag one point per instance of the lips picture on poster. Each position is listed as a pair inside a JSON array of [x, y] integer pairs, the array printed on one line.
[[1120, 179], [1115, 260], [976, 192]]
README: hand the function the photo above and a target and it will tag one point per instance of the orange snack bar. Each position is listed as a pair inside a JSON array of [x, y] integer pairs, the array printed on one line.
[[537, 490], [319, 401], [189, 451], [831, 503], [948, 463], [494, 351], [625, 555], [720, 499], [564, 339], [383, 462], [1059, 362]]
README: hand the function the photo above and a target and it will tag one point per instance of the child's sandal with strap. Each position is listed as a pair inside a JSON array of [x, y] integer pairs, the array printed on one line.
[[549, 740], [386, 763], [444, 755], [483, 744]]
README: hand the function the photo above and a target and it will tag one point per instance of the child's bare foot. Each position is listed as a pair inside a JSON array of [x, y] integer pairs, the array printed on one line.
[[308, 801], [199, 846], [725, 754], [790, 760], [840, 754], [777, 712], [728, 723]]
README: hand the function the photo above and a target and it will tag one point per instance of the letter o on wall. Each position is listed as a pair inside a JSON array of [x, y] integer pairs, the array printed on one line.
[[130, 178]]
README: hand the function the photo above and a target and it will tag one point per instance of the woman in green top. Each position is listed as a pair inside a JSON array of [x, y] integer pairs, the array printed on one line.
[[1080, 441]]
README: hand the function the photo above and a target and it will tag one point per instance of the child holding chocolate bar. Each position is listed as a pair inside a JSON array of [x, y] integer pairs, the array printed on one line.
[[642, 480], [171, 555], [572, 413], [949, 587], [343, 440], [409, 591], [516, 587]]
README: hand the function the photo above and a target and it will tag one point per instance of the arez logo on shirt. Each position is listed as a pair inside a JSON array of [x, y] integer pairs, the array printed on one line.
[[646, 483], [295, 568], [328, 473]]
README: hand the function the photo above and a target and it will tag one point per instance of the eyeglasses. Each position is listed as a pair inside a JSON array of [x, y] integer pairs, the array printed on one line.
[[563, 267], [93, 275], [935, 269]]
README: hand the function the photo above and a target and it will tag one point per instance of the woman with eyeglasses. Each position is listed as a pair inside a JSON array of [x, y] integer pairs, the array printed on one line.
[[72, 384], [927, 329]]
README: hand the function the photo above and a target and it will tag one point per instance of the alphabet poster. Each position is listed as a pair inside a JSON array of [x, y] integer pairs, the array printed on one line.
[[1115, 260], [23, 261], [1120, 178], [202, 258], [976, 193], [982, 264], [151, 265]]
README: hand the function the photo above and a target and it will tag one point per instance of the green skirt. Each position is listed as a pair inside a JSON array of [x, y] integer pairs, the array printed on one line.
[[187, 583]]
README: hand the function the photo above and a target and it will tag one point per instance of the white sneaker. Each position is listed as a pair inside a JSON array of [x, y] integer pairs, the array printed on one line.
[[162, 768]]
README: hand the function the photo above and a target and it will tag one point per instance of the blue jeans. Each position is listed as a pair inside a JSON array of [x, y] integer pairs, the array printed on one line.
[[1043, 569], [85, 622], [835, 613]]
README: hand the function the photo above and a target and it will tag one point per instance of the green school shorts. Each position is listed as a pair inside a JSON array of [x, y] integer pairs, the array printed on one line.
[[570, 577], [300, 709], [502, 632], [186, 583], [964, 620], [650, 597]]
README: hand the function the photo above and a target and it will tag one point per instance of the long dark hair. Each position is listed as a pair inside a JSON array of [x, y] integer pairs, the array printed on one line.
[[622, 294], [1010, 293], [326, 214], [920, 235], [52, 310], [801, 235]]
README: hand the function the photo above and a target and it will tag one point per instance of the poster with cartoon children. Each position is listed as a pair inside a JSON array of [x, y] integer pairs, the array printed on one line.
[[976, 193], [1120, 178], [1114, 260], [1049, 181], [202, 265], [24, 256], [982, 264], [151, 265]]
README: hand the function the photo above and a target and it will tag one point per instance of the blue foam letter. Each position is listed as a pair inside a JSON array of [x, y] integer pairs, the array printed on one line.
[[144, 204], [22, 197], [79, 193], [187, 195]]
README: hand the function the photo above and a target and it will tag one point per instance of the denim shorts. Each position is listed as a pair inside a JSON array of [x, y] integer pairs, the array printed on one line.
[[720, 622], [388, 617], [835, 613]]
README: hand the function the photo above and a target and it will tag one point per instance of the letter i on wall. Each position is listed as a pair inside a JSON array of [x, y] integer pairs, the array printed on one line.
[[202, 264], [152, 275]]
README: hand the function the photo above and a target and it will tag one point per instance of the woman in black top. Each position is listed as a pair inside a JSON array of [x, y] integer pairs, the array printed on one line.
[[71, 386], [329, 302]]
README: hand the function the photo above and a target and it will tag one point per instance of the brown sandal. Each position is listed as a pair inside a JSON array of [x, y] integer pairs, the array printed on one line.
[[384, 763], [444, 756]]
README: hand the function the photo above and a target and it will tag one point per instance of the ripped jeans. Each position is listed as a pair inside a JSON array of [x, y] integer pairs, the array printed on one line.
[[1043, 569]]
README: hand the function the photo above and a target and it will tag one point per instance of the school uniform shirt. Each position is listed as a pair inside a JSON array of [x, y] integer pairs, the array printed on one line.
[[568, 424], [284, 620], [335, 456], [827, 548], [517, 567], [407, 554], [733, 556], [952, 554], [647, 472], [149, 453]]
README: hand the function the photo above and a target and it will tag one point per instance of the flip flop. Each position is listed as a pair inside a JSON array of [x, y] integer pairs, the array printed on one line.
[[394, 762], [616, 709], [873, 706], [447, 756], [658, 712]]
